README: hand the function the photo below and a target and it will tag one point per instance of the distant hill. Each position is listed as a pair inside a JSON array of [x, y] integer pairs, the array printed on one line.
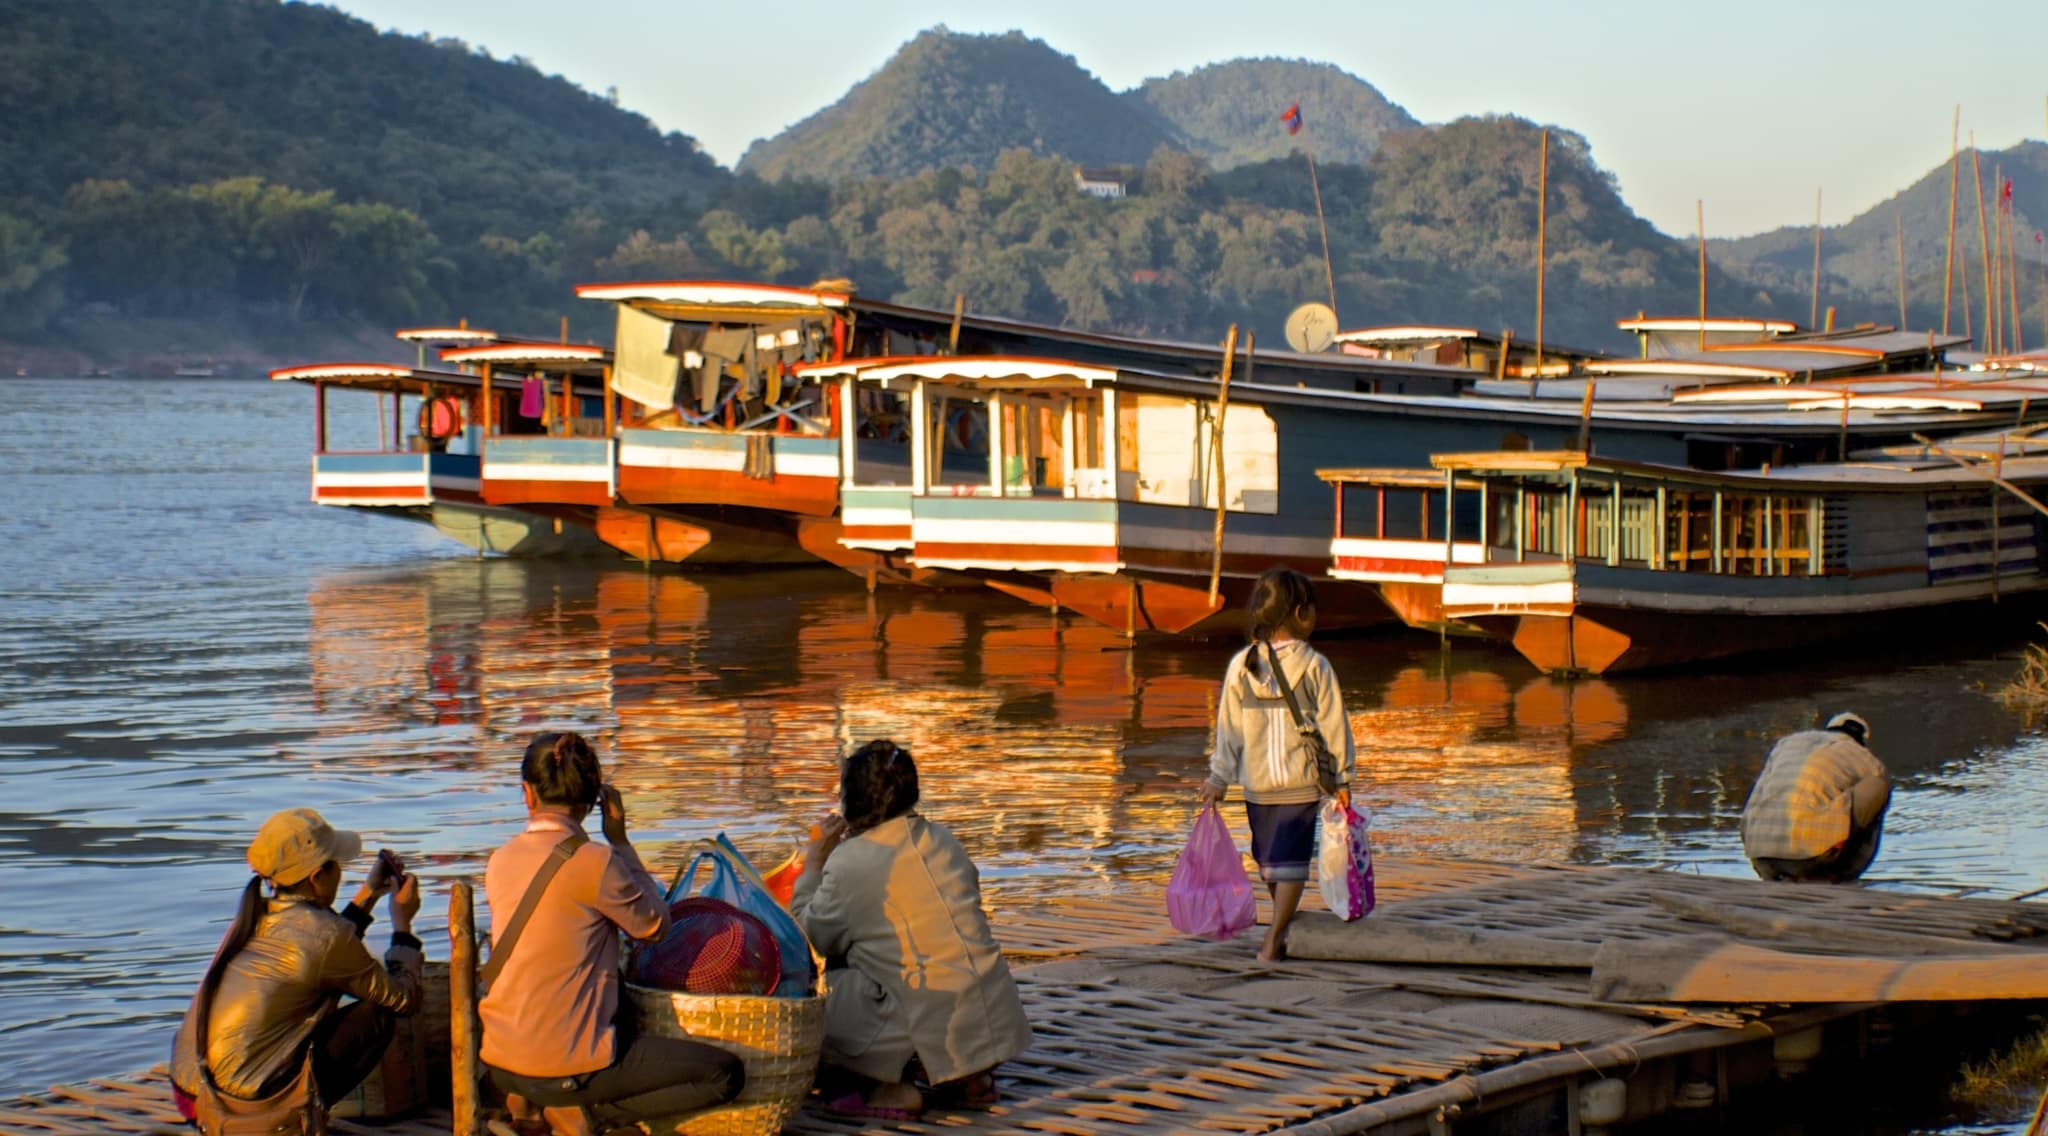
[[946, 99], [240, 160], [1859, 259], [1230, 112], [187, 92]]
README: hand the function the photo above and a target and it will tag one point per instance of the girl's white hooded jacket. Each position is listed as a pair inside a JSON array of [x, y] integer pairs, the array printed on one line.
[[1257, 744]]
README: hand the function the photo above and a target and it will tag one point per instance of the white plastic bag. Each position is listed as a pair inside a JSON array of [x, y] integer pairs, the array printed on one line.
[[1344, 860]]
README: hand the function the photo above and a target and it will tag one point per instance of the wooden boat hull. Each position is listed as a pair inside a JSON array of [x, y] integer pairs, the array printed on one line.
[[704, 537], [1578, 623], [517, 532], [547, 471], [781, 473], [398, 479]]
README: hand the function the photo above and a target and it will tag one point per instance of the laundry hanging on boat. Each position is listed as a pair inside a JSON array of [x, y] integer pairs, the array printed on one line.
[[642, 368], [533, 397], [686, 339], [760, 457]]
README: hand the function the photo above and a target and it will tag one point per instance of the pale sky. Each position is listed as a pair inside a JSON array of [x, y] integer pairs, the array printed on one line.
[[1748, 104]]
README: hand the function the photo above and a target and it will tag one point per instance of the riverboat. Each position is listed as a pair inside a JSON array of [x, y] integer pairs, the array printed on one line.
[[1390, 534], [429, 466], [1590, 565], [733, 412]]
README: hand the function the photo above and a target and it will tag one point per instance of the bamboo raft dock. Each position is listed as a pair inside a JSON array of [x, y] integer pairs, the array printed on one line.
[[1490, 1024]]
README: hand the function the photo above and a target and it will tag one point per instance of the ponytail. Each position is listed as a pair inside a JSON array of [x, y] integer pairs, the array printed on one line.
[[247, 915]]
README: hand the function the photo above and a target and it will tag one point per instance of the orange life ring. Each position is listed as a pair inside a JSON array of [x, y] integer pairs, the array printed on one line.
[[440, 417]]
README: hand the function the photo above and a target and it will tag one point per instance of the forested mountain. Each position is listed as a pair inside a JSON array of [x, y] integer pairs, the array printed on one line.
[[946, 99], [1230, 112], [1859, 259], [267, 176], [182, 157]]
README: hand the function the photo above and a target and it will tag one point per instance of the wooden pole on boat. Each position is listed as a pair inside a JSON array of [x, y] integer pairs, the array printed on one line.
[[1983, 241], [485, 413], [953, 336], [1586, 418], [463, 1059], [1700, 213], [1948, 268], [1329, 267], [1998, 282], [1222, 407], [319, 418], [1542, 242], [1993, 478], [2012, 268], [1899, 243], [611, 403], [1814, 319]]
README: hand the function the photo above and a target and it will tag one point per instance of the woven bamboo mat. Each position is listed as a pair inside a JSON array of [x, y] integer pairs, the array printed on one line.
[[1141, 1030], [141, 1106]]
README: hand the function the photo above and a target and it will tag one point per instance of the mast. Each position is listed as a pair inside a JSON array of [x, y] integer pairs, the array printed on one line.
[[1542, 236], [1948, 269], [1814, 320], [1983, 240]]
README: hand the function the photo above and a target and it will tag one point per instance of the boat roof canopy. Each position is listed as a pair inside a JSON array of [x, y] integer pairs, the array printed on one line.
[[445, 335], [702, 300], [992, 371], [1712, 324], [582, 358]]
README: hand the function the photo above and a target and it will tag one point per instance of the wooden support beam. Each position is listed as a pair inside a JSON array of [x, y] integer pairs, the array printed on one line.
[[464, 1031], [1699, 968]]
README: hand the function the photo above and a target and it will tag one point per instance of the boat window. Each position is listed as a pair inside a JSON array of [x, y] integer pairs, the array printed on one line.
[[959, 441], [1165, 454]]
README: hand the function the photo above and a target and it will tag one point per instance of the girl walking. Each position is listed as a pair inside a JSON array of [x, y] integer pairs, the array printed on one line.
[[1259, 746]]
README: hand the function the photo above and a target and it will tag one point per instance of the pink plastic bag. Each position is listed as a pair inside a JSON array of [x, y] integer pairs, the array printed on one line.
[[1209, 894]]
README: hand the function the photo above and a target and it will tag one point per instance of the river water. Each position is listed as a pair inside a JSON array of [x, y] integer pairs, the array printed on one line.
[[188, 644]]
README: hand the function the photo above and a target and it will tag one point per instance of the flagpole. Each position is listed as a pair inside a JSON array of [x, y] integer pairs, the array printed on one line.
[[2012, 264], [1542, 233], [1329, 270], [1983, 239], [1948, 268]]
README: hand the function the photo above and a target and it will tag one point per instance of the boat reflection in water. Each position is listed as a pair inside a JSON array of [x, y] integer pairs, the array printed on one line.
[[1067, 760], [1064, 758]]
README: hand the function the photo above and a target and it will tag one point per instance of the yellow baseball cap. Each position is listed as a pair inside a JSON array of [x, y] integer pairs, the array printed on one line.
[[293, 844]]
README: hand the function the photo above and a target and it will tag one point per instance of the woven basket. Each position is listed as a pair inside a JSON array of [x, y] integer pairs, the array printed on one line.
[[777, 1038]]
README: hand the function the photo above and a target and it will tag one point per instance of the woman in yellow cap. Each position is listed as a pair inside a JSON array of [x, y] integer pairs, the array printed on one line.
[[275, 1046]]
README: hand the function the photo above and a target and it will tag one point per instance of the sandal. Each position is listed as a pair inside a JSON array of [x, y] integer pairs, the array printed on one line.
[[976, 1093], [856, 1104]]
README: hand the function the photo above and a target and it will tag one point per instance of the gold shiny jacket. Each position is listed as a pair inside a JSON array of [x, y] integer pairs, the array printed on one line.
[[277, 988]]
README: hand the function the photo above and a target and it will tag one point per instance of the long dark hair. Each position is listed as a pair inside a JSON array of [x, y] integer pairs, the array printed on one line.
[[563, 770], [247, 914], [877, 783]]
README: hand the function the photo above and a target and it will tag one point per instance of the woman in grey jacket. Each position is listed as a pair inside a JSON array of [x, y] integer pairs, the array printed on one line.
[[1258, 746]]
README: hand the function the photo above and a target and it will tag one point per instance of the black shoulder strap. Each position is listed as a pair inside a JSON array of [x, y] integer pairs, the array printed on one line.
[[502, 952], [1301, 721]]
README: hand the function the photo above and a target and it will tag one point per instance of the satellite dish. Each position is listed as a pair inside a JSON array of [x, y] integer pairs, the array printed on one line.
[[1311, 328]]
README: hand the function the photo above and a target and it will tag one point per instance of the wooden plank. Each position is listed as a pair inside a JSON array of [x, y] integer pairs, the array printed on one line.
[[1391, 939], [1703, 969], [1763, 923]]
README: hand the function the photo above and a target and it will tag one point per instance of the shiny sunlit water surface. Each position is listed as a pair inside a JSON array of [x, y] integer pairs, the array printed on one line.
[[188, 644]]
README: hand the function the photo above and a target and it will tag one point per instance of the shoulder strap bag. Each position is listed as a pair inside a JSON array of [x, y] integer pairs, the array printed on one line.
[[1328, 777], [502, 952]]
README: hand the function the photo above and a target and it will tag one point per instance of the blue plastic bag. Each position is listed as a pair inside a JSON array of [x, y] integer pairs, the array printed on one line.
[[734, 880]]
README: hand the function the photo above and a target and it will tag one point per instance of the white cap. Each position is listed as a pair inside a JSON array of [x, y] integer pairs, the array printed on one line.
[[1851, 724]]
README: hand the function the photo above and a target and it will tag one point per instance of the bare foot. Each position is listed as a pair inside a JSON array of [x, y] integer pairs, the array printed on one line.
[[896, 1095], [1271, 953]]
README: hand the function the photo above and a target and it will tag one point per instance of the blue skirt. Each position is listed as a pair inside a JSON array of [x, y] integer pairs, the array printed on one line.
[[1283, 840]]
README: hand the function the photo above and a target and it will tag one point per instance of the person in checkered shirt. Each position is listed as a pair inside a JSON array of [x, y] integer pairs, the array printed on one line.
[[1816, 812]]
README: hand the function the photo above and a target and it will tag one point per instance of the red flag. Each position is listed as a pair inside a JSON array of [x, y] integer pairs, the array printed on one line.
[[1292, 118], [2005, 195]]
